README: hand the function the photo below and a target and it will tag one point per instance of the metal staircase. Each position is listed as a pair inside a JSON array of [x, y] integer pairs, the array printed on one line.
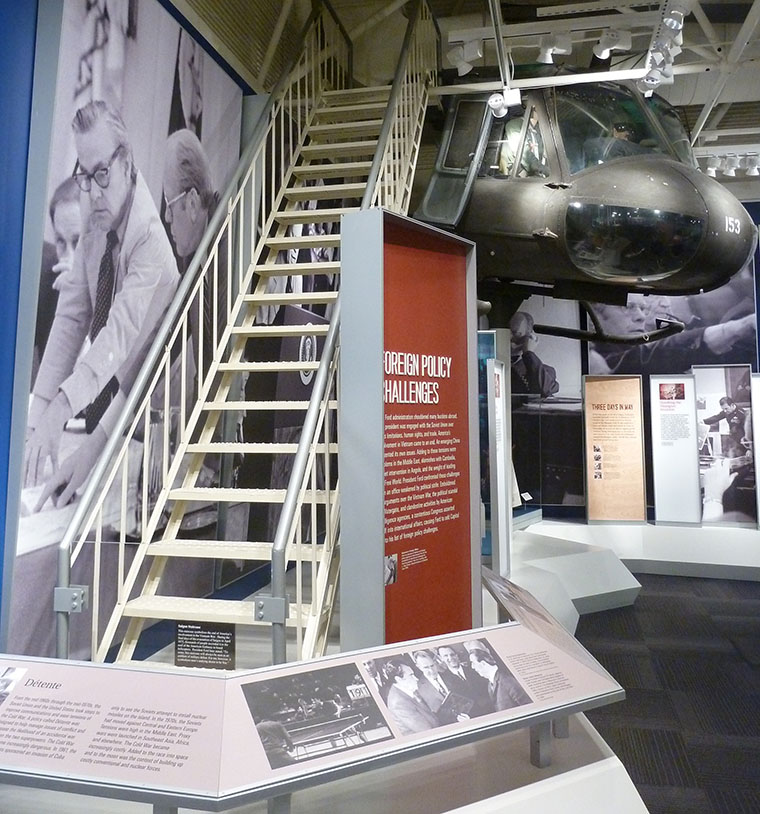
[[268, 273]]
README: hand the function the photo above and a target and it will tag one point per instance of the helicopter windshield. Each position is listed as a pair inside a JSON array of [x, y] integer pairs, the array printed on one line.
[[601, 123]]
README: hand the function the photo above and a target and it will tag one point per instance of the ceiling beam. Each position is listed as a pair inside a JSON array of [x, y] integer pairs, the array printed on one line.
[[734, 55]]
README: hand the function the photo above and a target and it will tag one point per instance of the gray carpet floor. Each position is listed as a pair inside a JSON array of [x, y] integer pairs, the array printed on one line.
[[688, 655]]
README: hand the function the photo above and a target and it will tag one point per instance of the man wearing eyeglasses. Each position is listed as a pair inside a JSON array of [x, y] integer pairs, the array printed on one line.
[[123, 277], [189, 203]]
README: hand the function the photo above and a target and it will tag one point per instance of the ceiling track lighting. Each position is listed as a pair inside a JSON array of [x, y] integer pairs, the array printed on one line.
[[462, 56], [665, 46], [554, 44], [728, 164], [612, 40]]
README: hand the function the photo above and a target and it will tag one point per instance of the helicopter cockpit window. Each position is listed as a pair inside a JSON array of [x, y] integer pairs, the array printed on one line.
[[464, 135], [601, 123], [667, 116], [515, 148]]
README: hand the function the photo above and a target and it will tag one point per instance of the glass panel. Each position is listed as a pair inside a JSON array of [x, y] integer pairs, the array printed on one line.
[[601, 123], [464, 135], [668, 118], [514, 137], [630, 243]]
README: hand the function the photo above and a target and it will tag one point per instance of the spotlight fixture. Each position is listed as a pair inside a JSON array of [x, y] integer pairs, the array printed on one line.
[[554, 44], [730, 165], [713, 164], [753, 164], [675, 11], [462, 56], [612, 40], [499, 103]]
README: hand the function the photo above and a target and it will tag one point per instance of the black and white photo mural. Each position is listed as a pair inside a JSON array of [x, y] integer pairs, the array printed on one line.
[[145, 133]]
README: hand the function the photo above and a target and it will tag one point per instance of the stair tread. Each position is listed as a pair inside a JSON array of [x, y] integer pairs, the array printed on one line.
[[304, 241], [294, 298], [331, 128], [247, 447], [339, 148], [262, 405], [351, 107], [213, 494], [325, 215], [348, 169], [298, 269], [212, 549], [326, 192], [307, 329], [270, 367], [199, 610]]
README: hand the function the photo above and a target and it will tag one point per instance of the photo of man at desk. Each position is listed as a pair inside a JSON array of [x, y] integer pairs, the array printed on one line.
[[122, 280]]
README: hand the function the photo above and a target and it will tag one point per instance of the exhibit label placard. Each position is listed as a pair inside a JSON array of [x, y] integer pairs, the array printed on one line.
[[614, 444], [426, 366], [675, 462], [205, 737]]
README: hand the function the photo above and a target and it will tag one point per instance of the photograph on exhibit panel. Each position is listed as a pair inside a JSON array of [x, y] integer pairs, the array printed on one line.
[[431, 687], [145, 134], [313, 714], [725, 443], [720, 328], [545, 381]]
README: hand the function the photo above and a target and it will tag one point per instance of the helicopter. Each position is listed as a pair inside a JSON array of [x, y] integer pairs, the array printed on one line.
[[584, 191]]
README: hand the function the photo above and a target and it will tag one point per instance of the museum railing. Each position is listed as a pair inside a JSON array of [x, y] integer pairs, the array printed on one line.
[[389, 186], [124, 502]]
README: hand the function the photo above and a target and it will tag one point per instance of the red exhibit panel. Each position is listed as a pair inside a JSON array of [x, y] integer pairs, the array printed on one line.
[[426, 437]]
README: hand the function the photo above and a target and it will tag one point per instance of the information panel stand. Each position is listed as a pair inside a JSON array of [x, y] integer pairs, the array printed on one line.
[[213, 742], [410, 536]]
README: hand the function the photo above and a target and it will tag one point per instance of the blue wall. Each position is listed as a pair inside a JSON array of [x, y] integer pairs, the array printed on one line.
[[16, 69]]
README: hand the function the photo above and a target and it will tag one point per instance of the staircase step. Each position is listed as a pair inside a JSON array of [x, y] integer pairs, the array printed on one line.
[[304, 242], [365, 94], [262, 406], [347, 169], [248, 448], [267, 367], [325, 193], [226, 550], [352, 112], [370, 127], [187, 609], [314, 215], [212, 549], [298, 269], [281, 330], [302, 298], [339, 149], [211, 494]]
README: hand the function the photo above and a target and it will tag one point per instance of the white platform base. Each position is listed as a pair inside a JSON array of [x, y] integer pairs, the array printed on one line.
[[592, 576], [494, 775], [722, 552]]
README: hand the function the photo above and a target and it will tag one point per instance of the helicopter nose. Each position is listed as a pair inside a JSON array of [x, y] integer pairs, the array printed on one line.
[[656, 225], [731, 235]]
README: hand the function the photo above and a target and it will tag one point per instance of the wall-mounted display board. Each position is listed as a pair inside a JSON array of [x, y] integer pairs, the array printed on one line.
[[726, 457], [225, 739], [614, 445], [674, 449], [410, 536], [500, 465]]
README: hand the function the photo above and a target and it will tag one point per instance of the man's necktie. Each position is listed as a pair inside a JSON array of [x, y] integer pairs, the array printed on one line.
[[103, 297]]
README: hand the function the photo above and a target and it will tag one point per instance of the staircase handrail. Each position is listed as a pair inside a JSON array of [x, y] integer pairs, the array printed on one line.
[[150, 369], [290, 506]]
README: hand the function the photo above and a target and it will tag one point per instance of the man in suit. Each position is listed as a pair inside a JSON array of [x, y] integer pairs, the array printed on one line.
[[405, 704], [122, 280], [460, 678], [504, 690]]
